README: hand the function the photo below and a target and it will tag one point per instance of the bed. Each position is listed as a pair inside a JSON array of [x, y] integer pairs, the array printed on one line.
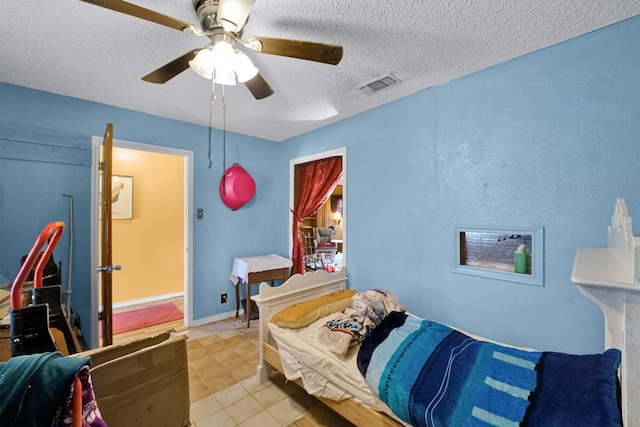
[[350, 396], [341, 386]]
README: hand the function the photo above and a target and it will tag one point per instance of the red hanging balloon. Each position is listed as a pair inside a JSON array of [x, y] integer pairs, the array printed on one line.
[[237, 187]]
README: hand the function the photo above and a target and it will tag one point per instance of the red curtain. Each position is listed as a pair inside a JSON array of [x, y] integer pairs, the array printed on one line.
[[317, 181]]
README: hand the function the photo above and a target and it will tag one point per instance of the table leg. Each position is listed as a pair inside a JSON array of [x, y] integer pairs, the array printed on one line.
[[248, 304], [237, 298]]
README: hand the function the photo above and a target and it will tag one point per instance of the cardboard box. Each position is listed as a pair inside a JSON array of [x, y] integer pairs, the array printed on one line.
[[102, 355], [5, 344], [142, 383]]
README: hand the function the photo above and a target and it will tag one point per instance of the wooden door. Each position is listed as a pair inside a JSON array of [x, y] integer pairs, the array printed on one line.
[[106, 266]]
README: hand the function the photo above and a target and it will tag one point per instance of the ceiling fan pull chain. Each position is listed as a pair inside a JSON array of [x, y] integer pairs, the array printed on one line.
[[224, 131], [212, 98]]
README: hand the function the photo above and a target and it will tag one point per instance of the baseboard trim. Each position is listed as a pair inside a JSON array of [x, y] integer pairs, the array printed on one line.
[[147, 300], [215, 318]]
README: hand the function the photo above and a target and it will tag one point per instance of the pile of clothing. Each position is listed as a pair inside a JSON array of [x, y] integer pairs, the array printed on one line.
[[354, 323], [37, 390]]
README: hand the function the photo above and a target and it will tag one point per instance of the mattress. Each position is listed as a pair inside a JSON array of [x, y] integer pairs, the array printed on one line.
[[321, 371], [325, 374]]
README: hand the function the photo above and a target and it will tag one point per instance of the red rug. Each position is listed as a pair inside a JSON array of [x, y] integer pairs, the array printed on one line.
[[136, 319]]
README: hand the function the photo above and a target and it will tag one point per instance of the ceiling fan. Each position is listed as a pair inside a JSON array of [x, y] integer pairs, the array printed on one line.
[[223, 21]]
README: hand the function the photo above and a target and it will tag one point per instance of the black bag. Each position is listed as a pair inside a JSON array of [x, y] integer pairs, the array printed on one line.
[[255, 313]]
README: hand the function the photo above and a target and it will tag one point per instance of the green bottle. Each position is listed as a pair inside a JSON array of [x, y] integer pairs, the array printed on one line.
[[520, 259]]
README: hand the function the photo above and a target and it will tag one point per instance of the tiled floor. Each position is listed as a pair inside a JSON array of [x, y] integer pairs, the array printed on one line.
[[222, 360]]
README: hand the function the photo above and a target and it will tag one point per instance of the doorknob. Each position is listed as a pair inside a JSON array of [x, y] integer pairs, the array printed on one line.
[[108, 268]]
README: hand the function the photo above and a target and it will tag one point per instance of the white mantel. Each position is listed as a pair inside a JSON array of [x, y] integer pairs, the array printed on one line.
[[611, 278]]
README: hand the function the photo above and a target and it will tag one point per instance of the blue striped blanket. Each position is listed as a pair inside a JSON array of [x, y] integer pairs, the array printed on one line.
[[431, 375]]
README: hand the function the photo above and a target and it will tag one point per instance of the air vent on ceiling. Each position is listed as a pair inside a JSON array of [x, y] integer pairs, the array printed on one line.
[[379, 84]]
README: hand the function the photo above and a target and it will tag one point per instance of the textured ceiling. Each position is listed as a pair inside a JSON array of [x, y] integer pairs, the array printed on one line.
[[77, 49]]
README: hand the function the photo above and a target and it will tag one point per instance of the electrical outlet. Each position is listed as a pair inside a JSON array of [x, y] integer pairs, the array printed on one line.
[[223, 298]]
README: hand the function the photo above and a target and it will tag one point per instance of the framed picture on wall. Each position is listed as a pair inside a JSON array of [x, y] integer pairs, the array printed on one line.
[[121, 197], [336, 203]]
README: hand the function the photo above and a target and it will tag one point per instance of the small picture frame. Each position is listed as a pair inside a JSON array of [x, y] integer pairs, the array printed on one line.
[[336, 203], [121, 197]]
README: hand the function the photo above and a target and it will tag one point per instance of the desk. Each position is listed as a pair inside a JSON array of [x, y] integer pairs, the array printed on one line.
[[257, 269]]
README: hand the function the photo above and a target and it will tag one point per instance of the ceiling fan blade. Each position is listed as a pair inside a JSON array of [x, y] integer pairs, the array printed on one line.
[[311, 51], [233, 14], [172, 69], [259, 87], [142, 13]]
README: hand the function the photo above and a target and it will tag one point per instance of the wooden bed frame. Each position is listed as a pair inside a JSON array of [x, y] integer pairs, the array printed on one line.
[[608, 276], [300, 288]]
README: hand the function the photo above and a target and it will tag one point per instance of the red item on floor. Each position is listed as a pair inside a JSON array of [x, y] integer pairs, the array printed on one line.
[[141, 318]]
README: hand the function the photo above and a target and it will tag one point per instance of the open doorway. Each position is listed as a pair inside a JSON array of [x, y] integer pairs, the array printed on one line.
[[140, 224], [329, 213]]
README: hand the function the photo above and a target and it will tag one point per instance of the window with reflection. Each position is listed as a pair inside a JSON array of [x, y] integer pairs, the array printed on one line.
[[514, 254]]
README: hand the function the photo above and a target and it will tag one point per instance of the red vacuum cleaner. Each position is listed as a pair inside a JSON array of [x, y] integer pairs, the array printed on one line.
[[31, 326]]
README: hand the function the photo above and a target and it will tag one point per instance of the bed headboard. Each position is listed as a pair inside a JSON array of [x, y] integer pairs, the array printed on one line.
[[610, 277], [299, 287]]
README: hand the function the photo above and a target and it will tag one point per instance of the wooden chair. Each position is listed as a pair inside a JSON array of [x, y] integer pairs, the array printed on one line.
[[310, 258]]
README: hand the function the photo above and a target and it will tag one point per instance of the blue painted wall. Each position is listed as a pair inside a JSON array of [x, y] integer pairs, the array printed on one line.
[[549, 139], [34, 176]]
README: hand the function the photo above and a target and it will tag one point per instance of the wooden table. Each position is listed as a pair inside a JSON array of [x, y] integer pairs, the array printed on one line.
[[255, 270]]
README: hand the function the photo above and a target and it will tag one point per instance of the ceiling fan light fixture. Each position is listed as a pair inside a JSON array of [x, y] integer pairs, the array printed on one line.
[[224, 76], [232, 15], [245, 70], [216, 61], [203, 63], [223, 54]]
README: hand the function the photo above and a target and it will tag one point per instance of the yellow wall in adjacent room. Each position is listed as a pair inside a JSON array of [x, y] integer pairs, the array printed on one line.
[[150, 246]]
